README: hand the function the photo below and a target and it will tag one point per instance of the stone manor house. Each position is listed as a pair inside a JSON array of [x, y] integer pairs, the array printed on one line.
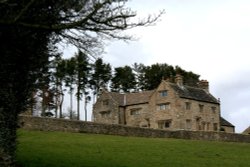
[[172, 106]]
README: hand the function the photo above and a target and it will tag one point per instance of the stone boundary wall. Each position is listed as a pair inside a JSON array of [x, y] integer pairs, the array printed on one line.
[[52, 124]]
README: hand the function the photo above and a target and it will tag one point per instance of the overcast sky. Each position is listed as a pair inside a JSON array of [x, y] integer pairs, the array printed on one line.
[[209, 37]]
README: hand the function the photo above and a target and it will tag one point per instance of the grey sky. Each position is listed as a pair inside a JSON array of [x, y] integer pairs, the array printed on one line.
[[211, 38], [208, 37]]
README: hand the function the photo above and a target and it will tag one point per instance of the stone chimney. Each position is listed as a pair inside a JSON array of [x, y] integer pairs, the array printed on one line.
[[179, 80], [204, 84]]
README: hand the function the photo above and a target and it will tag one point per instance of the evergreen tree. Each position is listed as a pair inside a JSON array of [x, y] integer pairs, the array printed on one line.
[[149, 77], [70, 80], [82, 80], [139, 71], [189, 78], [59, 74], [100, 77], [154, 74], [24, 53], [123, 80]]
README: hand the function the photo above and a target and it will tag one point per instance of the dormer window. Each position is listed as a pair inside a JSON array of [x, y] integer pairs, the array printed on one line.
[[163, 93]]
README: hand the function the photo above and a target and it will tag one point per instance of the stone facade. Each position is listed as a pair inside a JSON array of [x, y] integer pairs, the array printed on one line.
[[172, 106]]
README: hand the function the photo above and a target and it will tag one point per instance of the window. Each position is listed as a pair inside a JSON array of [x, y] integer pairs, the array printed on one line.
[[201, 107], [105, 114], [105, 102], [213, 109], [208, 126], [163, 93], [164, 124], [163, 106], [198, 120], [215, 126], [188, 124], [203, 125], [167, 124], [135, 111], [188, 105]]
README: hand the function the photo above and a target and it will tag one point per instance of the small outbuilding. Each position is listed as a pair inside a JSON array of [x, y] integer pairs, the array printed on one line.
[[226, 126]]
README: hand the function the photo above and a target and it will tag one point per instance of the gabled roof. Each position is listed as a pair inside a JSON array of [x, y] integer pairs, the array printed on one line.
[[224, 122], [118, 97], [247, 131], [199, 94], [194, 93], [127, 99]]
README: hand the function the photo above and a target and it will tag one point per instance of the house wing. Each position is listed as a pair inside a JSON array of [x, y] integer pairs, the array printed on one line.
[[194, 93]]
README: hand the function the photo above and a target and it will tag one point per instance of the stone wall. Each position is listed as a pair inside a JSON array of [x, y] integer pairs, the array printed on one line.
[[52, 124]]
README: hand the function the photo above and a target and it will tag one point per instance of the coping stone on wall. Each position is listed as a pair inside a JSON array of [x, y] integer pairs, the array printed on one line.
[[64, 125]]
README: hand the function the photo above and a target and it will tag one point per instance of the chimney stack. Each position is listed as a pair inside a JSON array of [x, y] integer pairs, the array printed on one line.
[[204, 84], [179, 80]]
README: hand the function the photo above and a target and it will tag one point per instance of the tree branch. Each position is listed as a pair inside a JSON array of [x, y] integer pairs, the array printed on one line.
[[23, 11]]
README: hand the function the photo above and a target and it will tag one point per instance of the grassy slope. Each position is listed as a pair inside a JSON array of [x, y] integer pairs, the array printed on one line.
[[73, 149]]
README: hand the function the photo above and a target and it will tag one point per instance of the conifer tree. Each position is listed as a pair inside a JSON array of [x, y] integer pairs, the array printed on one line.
[[100, 77], [82, 80], [123, 80]]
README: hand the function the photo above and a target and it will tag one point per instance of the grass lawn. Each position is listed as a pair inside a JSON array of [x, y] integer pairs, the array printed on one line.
[[74, 149]]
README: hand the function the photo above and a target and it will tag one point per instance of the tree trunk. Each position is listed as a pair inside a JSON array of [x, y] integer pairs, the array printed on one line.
[[78, 108], [71, 105], [78, 103], [60, 106], [8, 126], [43, 104], [56, 102], [61, 95], [32, 102], [85, 108]]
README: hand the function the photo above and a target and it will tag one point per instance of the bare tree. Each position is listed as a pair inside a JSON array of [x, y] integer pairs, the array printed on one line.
[[28, 29], [84, 23]]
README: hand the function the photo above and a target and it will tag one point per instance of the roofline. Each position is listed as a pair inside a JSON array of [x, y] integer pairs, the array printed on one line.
[[132, 104], [228, 125], [199, 100]]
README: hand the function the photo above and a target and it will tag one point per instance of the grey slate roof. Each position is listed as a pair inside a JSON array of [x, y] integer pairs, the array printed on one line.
[[132, 98], [194, 93], [224, 122], [183, 92]]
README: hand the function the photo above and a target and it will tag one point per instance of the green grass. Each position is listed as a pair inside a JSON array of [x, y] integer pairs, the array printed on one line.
[[74, 149]]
